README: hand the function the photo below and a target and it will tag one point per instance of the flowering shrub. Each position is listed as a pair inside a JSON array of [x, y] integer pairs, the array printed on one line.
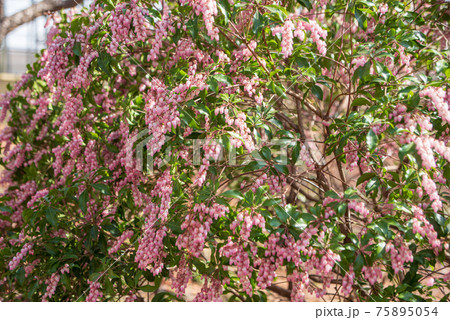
[[295, 141]]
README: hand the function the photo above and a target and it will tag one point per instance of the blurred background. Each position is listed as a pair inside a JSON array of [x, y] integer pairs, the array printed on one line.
[[22, 33], [20, 45]]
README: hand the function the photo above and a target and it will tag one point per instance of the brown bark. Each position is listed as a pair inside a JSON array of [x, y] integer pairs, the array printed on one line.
[[2, 8], [8, 24]]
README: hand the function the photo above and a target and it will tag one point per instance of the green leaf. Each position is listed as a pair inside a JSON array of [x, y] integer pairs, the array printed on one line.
[[277, 89], [20, 275], [441, 65], [249, 196], [295, 153], [279, 11], [224, 7], [361, 18], [258, 20], [84, 198], [349, 193], [305, 3], [364, 177], [363, 72], [95, 276], [254, 165], [341, 208], [274, 223], [271, 202], [5, 209], [50, 215], [266, 153], [359, 263], [331, 194], [372, 140], [149, 288], [409, 148], [77, 49], [93, 233], [372, 185], [317, 91], [175, 226], [213, 85], [112, 148], [104, 62], [360, 102], [383, 71], [281, 213], [104, 189], [232, 194], [111, 228], [305, 216], [447, 172], [282, 169], [192, 26], [223, 78]]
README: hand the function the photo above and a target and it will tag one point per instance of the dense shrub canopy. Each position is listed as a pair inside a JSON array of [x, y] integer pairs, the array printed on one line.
[[239, 144]]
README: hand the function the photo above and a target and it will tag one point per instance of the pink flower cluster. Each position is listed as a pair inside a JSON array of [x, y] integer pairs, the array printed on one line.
[[55, 60], [30, 267], [305, 156], [430, 189], [121, 21], [243, 53], [161, 31], [281, 248], [197, 226], [116, 246], [276, 184], [300, 282], [52, 283], [41, 111], [351, 154], [347, 282], [425, 146], [131, 297], [359, 207], [383, 8], [5, 98], [211, 290], [247, 221], [250, 86], [209, 10], [80, 76], [239, 257], [213, 150], [400, 254], [288, 33], [181, 279], [151, 248], [422, 226], [287, 42], [40, 194], [26, 249], [316, 34], [244, 132], [372, 274], [94, 291], [399, 113], [438, 98], [404, 60], [267, 271]]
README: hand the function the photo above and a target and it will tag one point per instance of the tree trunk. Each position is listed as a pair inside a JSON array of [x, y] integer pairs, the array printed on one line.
[[2, 13]]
